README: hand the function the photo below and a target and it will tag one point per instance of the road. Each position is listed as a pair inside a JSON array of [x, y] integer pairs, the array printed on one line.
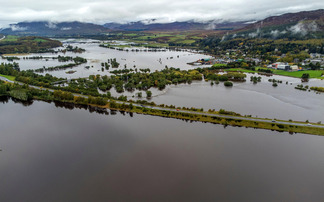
[[3, 38], [190, 112]]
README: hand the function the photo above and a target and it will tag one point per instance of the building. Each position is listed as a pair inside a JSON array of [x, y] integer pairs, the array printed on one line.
[[294, 68], [281, 66]]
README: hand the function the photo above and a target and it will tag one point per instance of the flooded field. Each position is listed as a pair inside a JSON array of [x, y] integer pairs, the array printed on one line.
[[262, 99], [96, 55], [49, 152]]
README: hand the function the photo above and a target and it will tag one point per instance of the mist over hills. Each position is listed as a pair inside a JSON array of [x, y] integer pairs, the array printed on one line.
[[175, 26], [309, 24], [305, 24], [43, 28]]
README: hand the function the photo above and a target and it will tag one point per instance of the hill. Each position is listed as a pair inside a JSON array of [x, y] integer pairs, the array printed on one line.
[[174, 26], [301, 25], [44, 28], [27, 44]]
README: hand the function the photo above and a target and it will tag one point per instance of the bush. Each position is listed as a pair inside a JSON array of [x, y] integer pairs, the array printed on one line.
[[228, 83], [148, 94]]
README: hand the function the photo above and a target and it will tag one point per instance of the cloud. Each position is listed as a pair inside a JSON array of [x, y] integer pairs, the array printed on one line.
[[18, 28], [51, 25], [275, 33], [303, 28], [254, 34], [102, 11], [66, 28]]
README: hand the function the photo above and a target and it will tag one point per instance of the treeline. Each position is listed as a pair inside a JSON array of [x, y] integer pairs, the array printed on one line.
[[20, 92], [77, 61], [319, 89], [73, 49], [28, 44], [11, 58]]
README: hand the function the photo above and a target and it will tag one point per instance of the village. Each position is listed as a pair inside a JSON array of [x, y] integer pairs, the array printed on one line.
[[314, 62]]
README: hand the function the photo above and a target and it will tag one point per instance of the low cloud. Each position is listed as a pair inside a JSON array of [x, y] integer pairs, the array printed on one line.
[[66, 28], [303, 28], [18, 28], [51, 25], [255, 34], [122, 11]]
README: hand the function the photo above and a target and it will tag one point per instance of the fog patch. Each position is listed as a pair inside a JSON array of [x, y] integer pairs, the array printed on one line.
[[66, 28], [303, 28], [224, 37], [254, 34], [275, 33], [211, 26], [18, 28], [51, 25]]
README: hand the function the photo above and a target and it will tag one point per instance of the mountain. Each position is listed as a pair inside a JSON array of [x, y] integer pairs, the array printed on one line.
[[301, 25], [44, 28], [174, 26], [309, 24]]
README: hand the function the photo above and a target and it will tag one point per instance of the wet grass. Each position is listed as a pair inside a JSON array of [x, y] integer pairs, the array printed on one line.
[[11, 78], [298, 74]]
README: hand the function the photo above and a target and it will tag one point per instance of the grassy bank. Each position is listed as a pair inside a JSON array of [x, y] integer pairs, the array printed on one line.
[[11, 78]]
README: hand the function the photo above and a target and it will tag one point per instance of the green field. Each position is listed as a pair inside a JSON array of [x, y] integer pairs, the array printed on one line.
[[40, 40], [239, 70], [162, 39], [298, 74], [10, 38], [11, 78]]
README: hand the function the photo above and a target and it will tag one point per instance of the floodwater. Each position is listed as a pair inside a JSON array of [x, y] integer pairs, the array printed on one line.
[[261, 100], [96, 55], [51, 153]]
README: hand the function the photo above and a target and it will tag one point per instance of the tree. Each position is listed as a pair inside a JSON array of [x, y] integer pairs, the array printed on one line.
[[228, 84], [305, 76], [148, 94]]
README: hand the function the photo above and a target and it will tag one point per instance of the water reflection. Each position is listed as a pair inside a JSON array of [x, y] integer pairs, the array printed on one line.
[[53, 154], [4, 99]]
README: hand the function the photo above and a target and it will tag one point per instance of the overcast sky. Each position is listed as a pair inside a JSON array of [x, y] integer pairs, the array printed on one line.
[[101, 11]]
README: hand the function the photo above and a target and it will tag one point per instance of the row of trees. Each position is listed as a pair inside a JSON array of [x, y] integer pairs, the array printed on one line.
[[77, 61]]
